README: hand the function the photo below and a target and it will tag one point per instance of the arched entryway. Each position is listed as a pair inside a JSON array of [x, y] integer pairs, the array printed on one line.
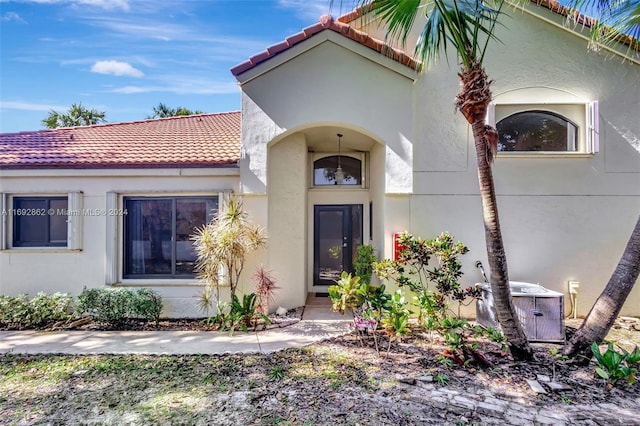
[[317, 218]]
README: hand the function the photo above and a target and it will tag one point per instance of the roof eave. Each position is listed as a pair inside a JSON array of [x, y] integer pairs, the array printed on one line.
[[315, 34]]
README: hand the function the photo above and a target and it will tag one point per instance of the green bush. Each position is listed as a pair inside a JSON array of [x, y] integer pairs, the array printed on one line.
[[396, 320], [344, 294], [106, 305], [148, 304], [432, 269], [117, 306], [365, 258], [613, 365], [13, 310], [48, 308], [42, 310], [243, 314]]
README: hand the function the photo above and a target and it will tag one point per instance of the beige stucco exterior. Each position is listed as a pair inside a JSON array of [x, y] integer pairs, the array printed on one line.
[[98, 259], [292, 112], [564, 217]]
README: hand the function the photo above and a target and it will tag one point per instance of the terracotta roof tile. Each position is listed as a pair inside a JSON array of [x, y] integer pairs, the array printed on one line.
[[326, 22], [553, 5], [206, 140], [585, 20]]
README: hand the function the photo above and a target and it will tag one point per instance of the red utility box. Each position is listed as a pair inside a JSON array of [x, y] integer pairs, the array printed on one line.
[[397, 245]]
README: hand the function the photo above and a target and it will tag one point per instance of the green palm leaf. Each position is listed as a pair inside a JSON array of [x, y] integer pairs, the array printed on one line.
[[616, 19], [465, 25]]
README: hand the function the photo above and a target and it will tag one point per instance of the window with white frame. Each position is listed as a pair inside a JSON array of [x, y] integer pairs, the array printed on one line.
[[41, 221], [157, 234], [551, 128]]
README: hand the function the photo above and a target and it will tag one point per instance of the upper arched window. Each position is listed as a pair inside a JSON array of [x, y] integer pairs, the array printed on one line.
[[537, 131], [324, 170]]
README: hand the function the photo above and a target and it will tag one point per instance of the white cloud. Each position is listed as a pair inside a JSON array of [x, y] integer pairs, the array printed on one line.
[[312, 9], [12, 16], [26, 106], [106, 4], [191, 86], [103, 4], [116, 68], [130, 89]]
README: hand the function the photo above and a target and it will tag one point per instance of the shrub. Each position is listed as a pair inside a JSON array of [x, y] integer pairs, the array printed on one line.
[[343, 293], [14, 311], [396, 320], [113, 306], [613, 365], [365, 258], [432, 270], [48, 308], [243, 314], [117, 306], [43, 309], [148, 304]]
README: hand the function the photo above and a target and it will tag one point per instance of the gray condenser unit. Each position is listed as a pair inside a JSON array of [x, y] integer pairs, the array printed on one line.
[[540, 310]]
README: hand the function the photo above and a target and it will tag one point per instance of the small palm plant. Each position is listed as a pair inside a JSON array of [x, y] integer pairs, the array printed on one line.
[[344, 293], [222, 246]]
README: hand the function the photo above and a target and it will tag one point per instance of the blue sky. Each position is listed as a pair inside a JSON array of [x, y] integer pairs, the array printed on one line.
[[126, 56]]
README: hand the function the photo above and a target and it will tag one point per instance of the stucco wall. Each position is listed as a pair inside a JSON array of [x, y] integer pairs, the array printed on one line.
[[34, 270], [287, 218], [564, 218], [328, 84]]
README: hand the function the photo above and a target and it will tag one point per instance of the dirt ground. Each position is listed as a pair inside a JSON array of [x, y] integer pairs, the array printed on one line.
[[343, 381]]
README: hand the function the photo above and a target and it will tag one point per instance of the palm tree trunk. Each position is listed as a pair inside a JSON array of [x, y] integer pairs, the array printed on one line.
[[499, 277], [605, 310], [472, 101]]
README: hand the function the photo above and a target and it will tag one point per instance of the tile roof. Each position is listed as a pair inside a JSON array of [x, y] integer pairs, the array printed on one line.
[[205, 140], [576, 17], [341, 26], [326, 22], [553, 5]]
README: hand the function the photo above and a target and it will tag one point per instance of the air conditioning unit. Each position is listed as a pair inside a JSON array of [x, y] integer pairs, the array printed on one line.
[[540, 310]]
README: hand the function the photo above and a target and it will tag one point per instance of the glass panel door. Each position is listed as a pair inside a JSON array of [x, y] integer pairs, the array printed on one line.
[[337, 234]]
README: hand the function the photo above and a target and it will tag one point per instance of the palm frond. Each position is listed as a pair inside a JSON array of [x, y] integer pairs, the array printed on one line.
[[616, 21], [464, 25], [625, 22], [399, 15]]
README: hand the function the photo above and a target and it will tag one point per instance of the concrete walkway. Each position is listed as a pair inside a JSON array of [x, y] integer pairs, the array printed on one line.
[[318, 323]]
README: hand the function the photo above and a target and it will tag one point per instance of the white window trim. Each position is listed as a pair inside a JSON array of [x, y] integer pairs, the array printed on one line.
[[114, 259], [3, 221], [591, 132], [74, 222]]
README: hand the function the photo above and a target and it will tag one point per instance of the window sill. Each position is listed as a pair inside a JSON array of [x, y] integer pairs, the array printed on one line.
[[160, 282], [547, 154], [40, 250], [328, 188]]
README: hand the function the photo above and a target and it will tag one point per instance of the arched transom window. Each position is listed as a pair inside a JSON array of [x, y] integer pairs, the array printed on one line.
[[537, 131], [324, 170]]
